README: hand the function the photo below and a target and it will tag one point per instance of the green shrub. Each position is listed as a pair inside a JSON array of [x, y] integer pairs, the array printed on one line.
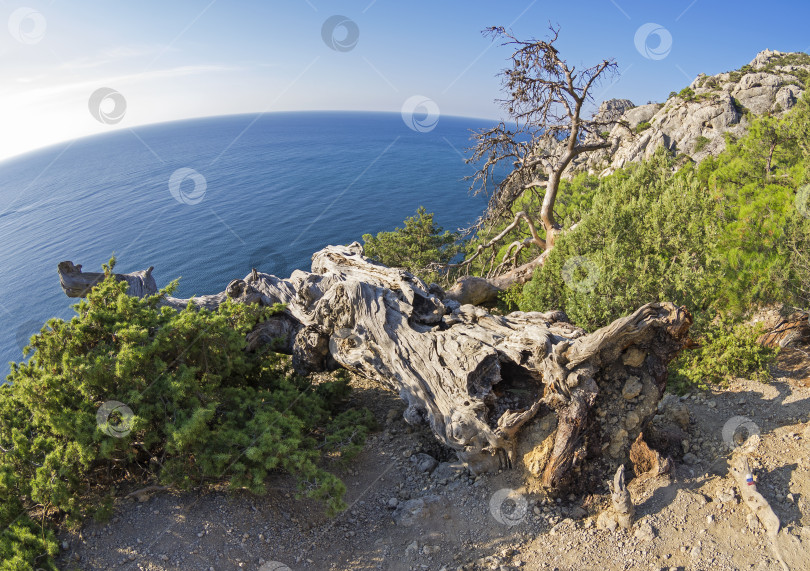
[[415, 247], [700, 143], [687, 94], [202, 410], [723, 237], [726, 350], [509, 299], [740, 107], [25, 545], [802, 78], [706, 95], [796, 273], [649, 235], [643, 126], [736, 75], [754, 182]]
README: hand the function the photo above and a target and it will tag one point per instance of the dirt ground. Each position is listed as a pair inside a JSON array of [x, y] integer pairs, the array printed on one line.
[[406, 515]]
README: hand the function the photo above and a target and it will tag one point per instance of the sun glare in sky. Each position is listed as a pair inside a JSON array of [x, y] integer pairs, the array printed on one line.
[[71, 69]]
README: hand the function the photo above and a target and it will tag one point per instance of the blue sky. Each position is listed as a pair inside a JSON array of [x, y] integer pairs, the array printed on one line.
[[182, 58]]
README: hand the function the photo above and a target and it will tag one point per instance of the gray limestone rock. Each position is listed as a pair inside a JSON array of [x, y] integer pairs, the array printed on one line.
[[424, 462], [695, 124]]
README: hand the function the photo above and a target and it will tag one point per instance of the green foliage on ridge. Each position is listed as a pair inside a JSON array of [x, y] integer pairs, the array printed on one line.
[[414, 247], [721, 238], [701, 142], [643, 126], [727, 350], [203, 410], [649, 235], [714, 236], [792, 59]]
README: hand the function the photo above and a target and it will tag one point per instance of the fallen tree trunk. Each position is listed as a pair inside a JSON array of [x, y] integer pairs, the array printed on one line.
[[476, 378], [78, 284], [484, 291]]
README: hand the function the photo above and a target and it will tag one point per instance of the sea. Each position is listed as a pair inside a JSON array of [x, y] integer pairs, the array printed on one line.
[[205, 200]]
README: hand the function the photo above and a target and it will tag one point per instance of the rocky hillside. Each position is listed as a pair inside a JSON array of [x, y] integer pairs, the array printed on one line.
[[694, 121], [412, 507]]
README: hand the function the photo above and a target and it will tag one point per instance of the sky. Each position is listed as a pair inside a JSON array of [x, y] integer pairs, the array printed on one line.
[[79, 68]]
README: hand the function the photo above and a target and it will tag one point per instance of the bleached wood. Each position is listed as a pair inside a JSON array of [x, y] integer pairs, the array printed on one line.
[[448, 361]]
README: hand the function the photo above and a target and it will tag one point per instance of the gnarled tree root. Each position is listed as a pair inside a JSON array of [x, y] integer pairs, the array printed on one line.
[[474, 377]]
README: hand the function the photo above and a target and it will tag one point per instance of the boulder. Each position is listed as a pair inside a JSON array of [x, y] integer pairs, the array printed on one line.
[[695, 125], [641, 114], [424, 462], [448, 470], [413, 511]]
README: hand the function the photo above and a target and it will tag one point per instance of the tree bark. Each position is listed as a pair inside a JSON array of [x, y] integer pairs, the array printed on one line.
[[484, 291], [78, 284], [474, 377]]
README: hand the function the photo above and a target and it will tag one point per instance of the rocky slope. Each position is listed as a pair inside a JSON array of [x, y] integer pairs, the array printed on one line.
[[694, 121], [413, 510]]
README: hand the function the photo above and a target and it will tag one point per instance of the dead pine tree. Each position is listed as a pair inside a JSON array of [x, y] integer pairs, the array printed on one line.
[[545, 131]]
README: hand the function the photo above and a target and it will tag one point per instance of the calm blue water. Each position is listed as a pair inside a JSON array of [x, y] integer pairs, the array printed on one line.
[[278, 188]]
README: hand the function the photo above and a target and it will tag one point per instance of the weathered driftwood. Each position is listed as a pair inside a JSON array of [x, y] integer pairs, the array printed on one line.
[[621, 510], [75, 283], [476, 378]]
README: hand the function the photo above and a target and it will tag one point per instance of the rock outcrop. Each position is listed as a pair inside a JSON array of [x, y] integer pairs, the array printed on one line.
[[694, 121]]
